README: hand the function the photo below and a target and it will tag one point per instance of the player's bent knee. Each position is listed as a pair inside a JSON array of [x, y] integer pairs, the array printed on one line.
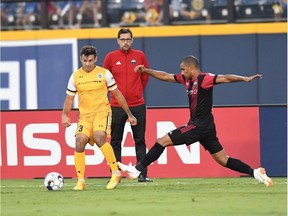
[[164, 141]]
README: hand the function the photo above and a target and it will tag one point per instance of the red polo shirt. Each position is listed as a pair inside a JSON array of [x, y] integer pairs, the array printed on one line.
[[130, 83]]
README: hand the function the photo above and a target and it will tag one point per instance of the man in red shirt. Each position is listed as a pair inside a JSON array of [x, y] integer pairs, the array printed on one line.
[[121, 63]]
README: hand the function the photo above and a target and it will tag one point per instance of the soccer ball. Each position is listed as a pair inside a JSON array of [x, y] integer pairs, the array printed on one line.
[[54, 181]]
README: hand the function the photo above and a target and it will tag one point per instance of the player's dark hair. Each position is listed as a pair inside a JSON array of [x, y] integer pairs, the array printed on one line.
[[124, 31], [88, 50], [190, 60]]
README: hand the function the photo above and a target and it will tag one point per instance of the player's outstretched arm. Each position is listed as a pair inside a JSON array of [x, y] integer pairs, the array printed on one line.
[[122, 102], [161, 75], [230, 78]]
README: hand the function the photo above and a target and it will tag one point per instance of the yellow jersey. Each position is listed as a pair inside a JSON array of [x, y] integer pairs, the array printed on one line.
[[92, 88]]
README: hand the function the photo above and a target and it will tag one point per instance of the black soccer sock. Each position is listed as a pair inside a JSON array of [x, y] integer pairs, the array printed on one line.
[[153, 154], [239, 166]]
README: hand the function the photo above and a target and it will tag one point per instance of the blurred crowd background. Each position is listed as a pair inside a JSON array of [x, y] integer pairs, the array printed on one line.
[[48, 14]]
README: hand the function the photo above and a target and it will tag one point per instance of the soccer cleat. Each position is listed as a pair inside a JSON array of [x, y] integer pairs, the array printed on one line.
[[115, 179], [80, 186], [260, 175], [130, 170], [143, 178]]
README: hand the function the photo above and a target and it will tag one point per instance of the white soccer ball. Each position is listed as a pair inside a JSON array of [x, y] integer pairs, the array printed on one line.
[[54, 181]]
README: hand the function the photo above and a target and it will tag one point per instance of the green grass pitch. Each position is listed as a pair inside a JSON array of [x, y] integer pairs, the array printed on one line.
[[163, 197]]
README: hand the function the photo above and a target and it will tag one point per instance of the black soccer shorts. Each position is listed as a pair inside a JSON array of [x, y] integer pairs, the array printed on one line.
[[189, 134]]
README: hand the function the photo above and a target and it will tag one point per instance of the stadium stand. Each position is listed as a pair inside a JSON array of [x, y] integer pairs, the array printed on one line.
[[48, 14]]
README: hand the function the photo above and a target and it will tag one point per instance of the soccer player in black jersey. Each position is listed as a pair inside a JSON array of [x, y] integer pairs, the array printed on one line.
[[201, 126]]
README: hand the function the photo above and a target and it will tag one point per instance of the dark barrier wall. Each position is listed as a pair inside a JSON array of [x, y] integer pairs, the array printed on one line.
[[273, 139], [272, 62]]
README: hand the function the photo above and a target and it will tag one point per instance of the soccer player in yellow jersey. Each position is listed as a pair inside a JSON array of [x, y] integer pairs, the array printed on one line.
[[92, 84]]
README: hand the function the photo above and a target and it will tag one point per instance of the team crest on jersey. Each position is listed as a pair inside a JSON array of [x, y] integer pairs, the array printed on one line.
[[100, 76]]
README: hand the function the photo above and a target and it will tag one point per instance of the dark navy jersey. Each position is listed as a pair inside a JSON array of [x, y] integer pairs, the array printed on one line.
[[200, 96]]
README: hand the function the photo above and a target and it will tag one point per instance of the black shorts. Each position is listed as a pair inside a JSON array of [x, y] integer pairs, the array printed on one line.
[[189, 134]]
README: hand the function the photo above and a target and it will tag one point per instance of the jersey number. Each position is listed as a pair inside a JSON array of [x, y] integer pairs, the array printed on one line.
[[80, 128]]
